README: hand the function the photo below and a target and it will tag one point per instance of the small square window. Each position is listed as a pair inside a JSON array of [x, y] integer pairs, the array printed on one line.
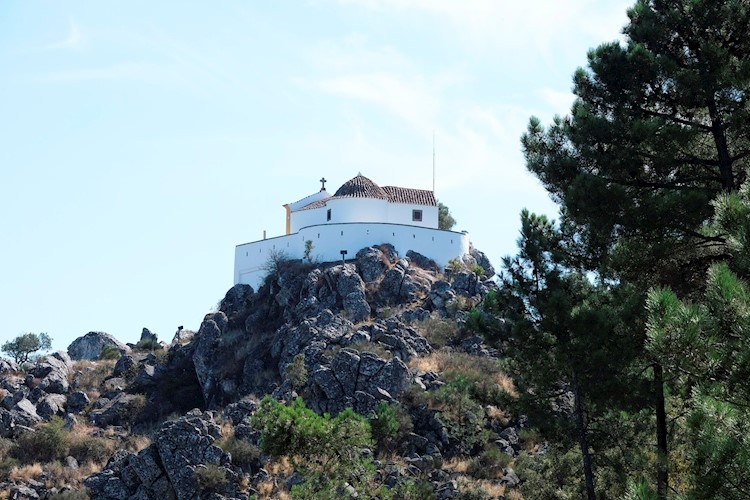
[[328, 214], [416, 215]]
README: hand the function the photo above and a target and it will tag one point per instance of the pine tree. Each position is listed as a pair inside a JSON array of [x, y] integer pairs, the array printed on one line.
[[659, 127], [567, 347], [707, 343]]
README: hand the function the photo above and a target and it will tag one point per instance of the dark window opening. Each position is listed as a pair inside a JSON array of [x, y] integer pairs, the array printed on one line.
[[416, 215], [328, 214]]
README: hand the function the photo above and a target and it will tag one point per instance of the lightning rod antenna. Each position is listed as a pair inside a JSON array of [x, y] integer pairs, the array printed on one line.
[[433, 161]]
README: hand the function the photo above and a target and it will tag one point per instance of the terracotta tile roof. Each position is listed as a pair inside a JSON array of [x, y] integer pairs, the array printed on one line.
[[362, 187], [409, 195], [315, 204]]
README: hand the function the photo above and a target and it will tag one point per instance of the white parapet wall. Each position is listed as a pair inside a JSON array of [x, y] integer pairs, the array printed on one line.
[[328, 240]]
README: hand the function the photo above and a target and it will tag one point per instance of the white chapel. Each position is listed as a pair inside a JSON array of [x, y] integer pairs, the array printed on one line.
[[358, 215]]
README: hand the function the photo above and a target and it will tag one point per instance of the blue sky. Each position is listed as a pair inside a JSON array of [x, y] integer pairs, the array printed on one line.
[[140, 141]]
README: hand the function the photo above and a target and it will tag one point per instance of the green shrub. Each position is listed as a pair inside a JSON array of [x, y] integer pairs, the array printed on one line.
[[90, 449], [296, 372], [390, 426], [244, 453], [478, 270], [490, 464], [460, 413], [6, 464], [211, 478], [148, 345], [71, 495], [110, 352], [413, 489], [325, 450], [49, 442], [438, 332]]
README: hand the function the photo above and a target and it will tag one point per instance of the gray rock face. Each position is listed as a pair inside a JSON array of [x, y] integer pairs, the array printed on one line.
[[117, 410], [420, 260], [403, 284], [441, 294], [236, 302], [77, 401], [90, 346], [51, 405], [357, 380], [309, 337], [481, 259], [21, 417], [148, 336], [7, 366], [166, 470], [53, 371], [372, 264], [207, 351], [351, 288]]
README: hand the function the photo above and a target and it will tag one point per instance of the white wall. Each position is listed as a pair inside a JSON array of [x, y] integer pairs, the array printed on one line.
[[401, 213], [364, 210], [304, 218], [329, 239]]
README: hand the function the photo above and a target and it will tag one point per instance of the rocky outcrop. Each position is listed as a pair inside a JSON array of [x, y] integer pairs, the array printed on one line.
[[481, 259], [53, 370], [148, 337], [356, 380], [8, 366], [20, 418], [117, 410], [169, 467], [351, 289], [90, 346]]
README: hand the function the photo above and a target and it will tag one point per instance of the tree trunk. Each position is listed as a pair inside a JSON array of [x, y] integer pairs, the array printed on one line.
[[583, 440], [722, 147], [662, 472]]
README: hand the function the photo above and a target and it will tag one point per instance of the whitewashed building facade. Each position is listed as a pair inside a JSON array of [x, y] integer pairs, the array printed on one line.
[[358, 215]]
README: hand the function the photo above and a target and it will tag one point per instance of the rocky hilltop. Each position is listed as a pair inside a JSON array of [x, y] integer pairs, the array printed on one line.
[[383, 335]]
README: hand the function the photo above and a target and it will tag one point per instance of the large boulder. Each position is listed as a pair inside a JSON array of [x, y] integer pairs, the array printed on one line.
[[51, 405], [351, 288], [147, 336], [482, 260], [166, 469], [372, 264], [91, 345], [21, 417], [118, 410], [357, 380], [53, 370], [7, 366], [208, 351]]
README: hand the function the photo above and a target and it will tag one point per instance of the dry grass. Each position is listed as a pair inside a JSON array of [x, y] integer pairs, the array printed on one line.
[[25, 473], [280, 467], [438, 332], [459, 465], [136, 442], [269, 490], [496, 414], [459, 363], [490, 489], [514, 495], [59, 475], [91, 374]]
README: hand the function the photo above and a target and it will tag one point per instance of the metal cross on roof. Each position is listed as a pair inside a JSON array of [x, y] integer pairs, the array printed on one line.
[[323, 182]]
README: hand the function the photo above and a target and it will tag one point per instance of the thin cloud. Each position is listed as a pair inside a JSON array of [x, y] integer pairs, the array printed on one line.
[[138, 71], [74, 40]]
